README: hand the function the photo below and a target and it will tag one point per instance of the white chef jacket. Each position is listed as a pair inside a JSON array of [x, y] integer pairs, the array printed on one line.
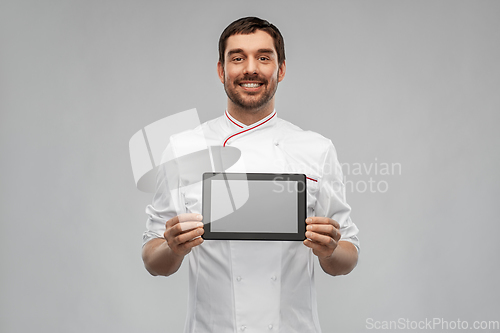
[[255, 286]]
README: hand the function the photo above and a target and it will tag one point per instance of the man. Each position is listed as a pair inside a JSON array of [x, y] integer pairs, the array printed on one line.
[[259, 286]]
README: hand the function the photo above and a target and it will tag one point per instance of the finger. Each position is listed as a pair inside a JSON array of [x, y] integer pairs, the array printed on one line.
[[318, 249], [175, 240], [173, 221], [187, 246], [182, 238], [325, 229], [322, 220], [177, 229], [320, 239], [183, 218], [184, 226], [190, 217], [317, 219], [335, 224]]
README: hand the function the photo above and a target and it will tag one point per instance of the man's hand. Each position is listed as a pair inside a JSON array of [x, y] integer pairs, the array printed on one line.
[[322, 235], [336, 257], [183, 233], [164, 256]]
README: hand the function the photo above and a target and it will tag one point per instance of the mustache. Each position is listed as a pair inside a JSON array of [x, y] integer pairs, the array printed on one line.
[[255, 78]]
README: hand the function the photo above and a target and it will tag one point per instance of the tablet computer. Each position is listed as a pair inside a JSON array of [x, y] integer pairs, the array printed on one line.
[[254, 206]]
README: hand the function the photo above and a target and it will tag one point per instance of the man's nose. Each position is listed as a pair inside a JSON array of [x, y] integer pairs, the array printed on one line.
[[251, 66]]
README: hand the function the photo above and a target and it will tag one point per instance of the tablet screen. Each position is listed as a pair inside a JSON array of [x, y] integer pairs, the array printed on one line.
[[254, 206]]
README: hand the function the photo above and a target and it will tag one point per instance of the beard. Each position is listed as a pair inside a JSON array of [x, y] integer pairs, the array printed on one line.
[[250, 100]]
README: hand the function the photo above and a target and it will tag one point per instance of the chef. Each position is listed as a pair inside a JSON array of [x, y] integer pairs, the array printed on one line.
[[253, 286]]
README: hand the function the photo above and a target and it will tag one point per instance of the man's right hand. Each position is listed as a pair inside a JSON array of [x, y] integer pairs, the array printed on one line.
[[164, 256], [183, 232]]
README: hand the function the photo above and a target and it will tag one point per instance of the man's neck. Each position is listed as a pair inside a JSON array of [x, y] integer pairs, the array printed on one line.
[[249, 116]]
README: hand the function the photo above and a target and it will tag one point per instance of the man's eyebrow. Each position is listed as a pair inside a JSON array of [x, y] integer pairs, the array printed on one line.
[[265, 51], [233, 51]]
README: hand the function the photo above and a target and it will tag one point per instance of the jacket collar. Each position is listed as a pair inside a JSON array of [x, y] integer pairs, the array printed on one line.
[[239, 128]]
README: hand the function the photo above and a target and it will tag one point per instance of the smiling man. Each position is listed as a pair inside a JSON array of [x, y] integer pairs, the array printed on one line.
[[254, 285]]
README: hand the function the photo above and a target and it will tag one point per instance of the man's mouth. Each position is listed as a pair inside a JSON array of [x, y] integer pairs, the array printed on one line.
[[250, 84]]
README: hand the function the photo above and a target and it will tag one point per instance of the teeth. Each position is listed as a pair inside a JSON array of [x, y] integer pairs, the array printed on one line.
[[250, 85]]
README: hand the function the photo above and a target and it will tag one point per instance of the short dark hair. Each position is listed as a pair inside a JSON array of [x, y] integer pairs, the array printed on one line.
[[248, 25]]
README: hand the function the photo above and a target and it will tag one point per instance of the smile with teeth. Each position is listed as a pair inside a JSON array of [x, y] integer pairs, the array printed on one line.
[[250, 84]]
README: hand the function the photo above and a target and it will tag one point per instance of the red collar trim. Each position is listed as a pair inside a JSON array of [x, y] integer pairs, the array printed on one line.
[[228, 117], [251, 128]]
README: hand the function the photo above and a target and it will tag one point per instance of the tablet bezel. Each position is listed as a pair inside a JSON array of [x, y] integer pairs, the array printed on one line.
[[268, 236]]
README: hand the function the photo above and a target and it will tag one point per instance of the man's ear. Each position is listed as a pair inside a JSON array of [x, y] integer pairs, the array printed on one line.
[[281, 71], [220, 71]]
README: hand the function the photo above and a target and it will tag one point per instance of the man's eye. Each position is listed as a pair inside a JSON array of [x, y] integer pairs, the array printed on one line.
[[263, 58], [237, 59]]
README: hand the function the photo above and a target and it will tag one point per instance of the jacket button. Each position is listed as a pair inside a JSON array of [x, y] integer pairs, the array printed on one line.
[[239, 279], [270, 326]]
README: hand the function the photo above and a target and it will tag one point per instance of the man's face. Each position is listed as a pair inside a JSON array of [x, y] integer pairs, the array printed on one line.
[[251, 72]]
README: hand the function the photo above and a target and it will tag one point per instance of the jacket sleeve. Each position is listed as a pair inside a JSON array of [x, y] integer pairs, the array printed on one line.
[[167, 201], [331, 200]]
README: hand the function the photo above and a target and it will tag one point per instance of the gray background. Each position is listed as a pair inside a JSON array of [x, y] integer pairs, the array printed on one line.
[[409, 82]]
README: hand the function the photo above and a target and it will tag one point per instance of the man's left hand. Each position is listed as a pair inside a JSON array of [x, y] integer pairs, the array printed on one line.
[[323, 235]]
